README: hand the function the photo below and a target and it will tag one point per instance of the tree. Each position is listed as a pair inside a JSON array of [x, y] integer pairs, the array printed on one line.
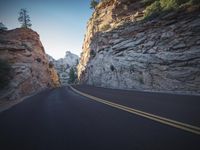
[[72, 76], [3, 27], [24, 19], [93, 4]]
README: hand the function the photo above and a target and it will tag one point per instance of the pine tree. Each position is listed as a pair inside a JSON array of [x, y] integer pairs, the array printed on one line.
[[72, 76], [24, 19]]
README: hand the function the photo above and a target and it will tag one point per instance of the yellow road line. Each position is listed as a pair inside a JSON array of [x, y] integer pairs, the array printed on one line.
[[163, 120]]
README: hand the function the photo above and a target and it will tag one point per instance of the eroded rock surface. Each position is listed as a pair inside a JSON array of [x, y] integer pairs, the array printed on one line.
[[121, 50], [31, 71]]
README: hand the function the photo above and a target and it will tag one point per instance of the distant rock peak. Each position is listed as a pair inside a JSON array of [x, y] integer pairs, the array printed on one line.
[[63, 66]]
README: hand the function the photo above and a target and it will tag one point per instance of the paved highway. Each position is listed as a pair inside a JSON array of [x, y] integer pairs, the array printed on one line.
[[60, 119]]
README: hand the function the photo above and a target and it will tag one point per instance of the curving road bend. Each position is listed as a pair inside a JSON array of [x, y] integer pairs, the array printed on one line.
[[60, 119]]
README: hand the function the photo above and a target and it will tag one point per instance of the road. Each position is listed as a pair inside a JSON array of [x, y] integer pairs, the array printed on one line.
[[60, 119]]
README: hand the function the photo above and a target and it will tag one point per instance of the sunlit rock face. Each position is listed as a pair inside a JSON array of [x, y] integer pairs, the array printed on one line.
[[121, 50], [31, 71], [63, 66]]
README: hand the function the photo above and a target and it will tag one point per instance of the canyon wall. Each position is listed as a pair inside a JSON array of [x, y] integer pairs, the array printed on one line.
[[30, 68], [123, 50]]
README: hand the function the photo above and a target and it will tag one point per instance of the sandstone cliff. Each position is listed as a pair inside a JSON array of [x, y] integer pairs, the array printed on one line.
[[122, 50], [30, 69]]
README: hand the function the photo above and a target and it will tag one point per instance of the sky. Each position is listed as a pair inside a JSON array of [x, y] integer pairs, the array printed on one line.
[[61, 24]]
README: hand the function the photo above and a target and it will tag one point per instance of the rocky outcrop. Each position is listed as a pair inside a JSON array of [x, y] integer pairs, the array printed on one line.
[[63, 66], [122, 50], [30, 68]]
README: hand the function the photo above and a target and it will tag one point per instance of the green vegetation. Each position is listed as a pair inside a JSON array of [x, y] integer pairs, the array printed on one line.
[[105, 27], [92, 53], [155, 7], [3, 27], [51, 65], [112, 68], [24, 19], [5, 69], [93, 4], [72, 76]]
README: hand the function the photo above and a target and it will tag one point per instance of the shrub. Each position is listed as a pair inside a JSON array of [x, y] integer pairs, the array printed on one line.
[[112, 68], [172, 4], [5, 76], [51, 65], [153, 9], [168, 4], [93, 4], [105, 27], [92, 53], [158, 6]]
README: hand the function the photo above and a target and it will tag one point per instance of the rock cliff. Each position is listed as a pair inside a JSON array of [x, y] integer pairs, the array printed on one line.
[[63, 66], [123, 50], [30, 68]]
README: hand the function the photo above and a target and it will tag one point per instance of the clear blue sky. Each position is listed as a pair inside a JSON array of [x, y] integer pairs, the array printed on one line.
[[61, 24]]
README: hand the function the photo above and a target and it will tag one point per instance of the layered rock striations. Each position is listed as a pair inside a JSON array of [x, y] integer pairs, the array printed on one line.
[[30, 68], [122, 50], [63, 66]]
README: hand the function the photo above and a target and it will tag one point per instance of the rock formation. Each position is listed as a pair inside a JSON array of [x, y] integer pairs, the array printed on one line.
[[30, 68], [122, 50], [63, 66]]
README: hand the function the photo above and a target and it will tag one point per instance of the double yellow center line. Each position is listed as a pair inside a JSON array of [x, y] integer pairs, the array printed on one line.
[[163, 120]]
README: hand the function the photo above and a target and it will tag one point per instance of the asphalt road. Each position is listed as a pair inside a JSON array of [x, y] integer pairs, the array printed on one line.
[[184, 108], [60, 119]]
